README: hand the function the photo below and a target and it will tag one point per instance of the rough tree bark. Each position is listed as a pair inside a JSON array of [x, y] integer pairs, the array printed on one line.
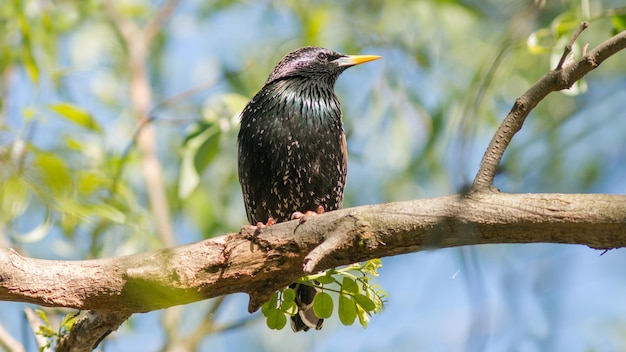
[[261, 263], [114, 288]]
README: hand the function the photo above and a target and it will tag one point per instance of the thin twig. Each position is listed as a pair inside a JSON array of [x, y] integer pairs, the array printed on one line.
[[124, 27], [149, 118], [552, 81], [570, 45], [126, 154], [157, 22]]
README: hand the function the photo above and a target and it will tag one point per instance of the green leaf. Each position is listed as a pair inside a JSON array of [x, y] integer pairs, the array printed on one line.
[[13, 198], [28, 59], [43, 316], [289, 295], [105, 211], [199, 150], [276, 319], [269, 305], [371, 267], [54, 170], [30, 64], [364, 317], [619, 23], [565, 23], [326, 280], [289, 307], [76, 115], [347, 310], [540, 42], [265, 308], [365, 302], [68, 320], [207, 150], [323, 305], [189, 178], [67, 323], [85, 212], [377, 298], [46, 331], [348, 285], [90, 182]]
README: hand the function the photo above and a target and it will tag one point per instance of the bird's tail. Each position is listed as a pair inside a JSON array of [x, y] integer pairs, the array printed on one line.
[[305, 318]]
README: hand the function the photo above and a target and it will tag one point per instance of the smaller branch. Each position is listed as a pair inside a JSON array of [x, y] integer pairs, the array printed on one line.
[[209, 326], [335, 239], [149, 118], [235, 325], [138, 47], [126, 28], [170, 320], [570, 45], [126, 154], [90, 330], [155, 25], [552, 81], [177, 98]]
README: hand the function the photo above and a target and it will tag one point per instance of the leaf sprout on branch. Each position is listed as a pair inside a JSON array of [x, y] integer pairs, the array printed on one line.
[[358, 297]]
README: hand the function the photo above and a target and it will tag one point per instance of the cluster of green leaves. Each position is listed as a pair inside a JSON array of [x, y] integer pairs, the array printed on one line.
[[65, 185], [53, 336], [31, 30], [357, 296], [202, 144]]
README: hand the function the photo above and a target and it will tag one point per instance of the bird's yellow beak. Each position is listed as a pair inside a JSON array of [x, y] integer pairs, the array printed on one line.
[[352, 60]]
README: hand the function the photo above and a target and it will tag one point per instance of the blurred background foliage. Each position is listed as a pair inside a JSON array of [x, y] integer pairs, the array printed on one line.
[[73, 186]]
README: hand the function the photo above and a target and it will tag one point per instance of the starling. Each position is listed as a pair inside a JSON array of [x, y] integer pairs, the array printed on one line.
[[292, 148]]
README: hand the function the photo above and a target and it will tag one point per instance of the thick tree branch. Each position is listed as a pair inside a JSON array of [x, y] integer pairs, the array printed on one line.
[[258, 265], [552, 81]]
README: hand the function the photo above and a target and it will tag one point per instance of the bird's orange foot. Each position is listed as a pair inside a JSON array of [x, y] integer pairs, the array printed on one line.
[[258, 227], [303, 217]]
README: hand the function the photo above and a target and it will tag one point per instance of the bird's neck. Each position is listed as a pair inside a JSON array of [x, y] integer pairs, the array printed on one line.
[[306, 97]]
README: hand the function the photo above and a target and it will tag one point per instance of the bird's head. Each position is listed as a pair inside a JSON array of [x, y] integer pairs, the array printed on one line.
[[316, 63]]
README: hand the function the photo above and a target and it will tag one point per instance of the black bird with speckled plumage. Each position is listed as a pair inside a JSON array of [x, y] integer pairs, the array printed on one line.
[[292, 147]]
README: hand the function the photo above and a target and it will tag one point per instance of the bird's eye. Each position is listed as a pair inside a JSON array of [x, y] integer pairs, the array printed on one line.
[[322, 56]]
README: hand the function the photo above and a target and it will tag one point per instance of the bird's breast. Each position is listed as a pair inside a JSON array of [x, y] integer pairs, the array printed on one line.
[[290, 114], [291, 144]]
